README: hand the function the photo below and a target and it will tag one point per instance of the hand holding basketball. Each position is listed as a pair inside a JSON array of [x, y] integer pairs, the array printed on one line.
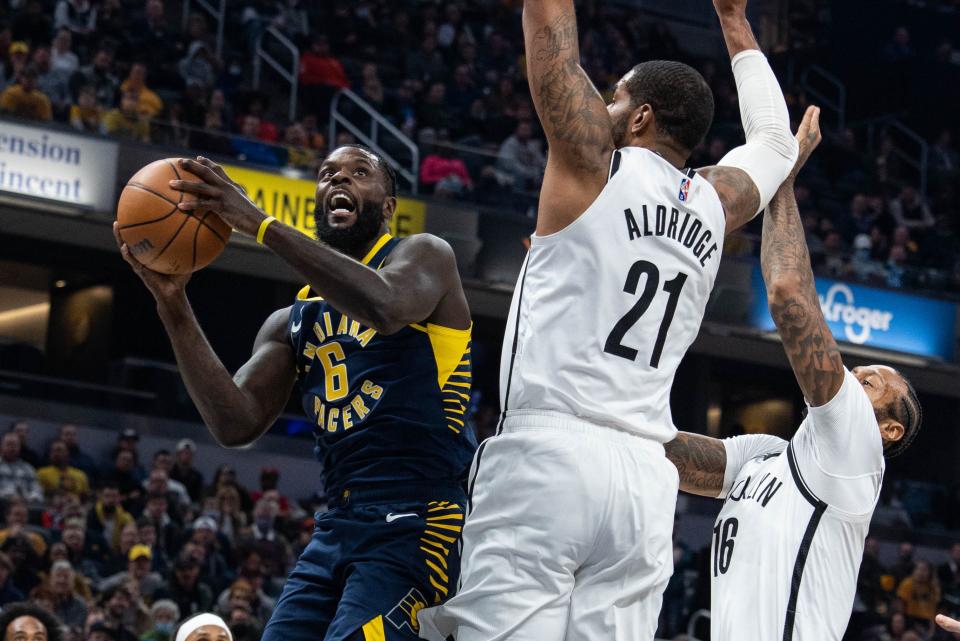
[[162, 286], [218, 194]]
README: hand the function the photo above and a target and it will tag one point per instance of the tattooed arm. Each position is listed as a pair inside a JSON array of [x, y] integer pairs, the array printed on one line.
[[572, 113], [701, 462], [791, 293]]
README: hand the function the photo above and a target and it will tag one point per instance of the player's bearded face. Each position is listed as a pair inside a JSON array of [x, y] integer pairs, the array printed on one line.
[[620, 120], [352, 239]]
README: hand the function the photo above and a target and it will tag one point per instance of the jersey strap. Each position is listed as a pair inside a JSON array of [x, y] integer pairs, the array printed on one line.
[[614, 163], [378, 253]]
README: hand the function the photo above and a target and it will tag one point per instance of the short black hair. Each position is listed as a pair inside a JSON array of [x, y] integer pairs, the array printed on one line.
[[680, 97], [16, 610], [389, 173], [907, 410]]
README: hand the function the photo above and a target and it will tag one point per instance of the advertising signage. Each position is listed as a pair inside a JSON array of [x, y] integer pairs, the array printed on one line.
[[874, 317], [57, 166]]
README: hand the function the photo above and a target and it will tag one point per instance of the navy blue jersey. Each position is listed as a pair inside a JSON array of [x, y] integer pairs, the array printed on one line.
[[386, 408]]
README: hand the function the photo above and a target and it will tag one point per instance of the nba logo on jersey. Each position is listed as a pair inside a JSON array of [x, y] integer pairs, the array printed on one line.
[[684, 190]]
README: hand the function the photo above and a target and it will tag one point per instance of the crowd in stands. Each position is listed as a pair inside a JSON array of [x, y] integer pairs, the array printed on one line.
[[124, 546], [450, 76]]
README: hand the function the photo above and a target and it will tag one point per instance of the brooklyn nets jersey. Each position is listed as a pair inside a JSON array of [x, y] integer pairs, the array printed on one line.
[[605, 309], [788, 542]]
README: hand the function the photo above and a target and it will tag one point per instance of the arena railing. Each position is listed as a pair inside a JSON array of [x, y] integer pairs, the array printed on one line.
[[288, 73], [217, 11]]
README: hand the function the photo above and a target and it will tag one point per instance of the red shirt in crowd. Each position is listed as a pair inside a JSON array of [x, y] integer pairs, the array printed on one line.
[[322, 70]]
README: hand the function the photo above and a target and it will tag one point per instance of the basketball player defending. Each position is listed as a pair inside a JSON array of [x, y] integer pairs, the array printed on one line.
[[569, 533], [378, 344], [788, 542]]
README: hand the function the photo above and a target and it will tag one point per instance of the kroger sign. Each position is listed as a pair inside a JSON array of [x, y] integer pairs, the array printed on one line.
[[874, 317]]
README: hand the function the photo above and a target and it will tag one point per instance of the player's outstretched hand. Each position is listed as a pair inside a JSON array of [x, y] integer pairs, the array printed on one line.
[[808, 136], [162, 286], [948, 624], [219, 194]]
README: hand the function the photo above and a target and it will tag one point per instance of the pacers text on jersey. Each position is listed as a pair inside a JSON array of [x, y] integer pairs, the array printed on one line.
[[688, 231]]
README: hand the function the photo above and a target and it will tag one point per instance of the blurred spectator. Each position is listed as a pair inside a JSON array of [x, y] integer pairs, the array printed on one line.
[[257, 106], [18, 527], [86, 114], [165, 615], [79, 16], [139, 561], [123, 474], [8, 591], [68, 606], [272, 546], [298, 153], [99, 74], [159, 46], [108, 517], [149, 103], [433, 111], [521, 158], [25, 100], [167, 532], [117, 603], [163, 461], [230, 518], [22, 430], [896, 266], [870, 580], [321, 75], [898, 48], [77, 457], [183, 470], [60, 475], [83, 552], [441, 172], [199, 66], [118, 560], [159, 483], [127, 121], [55, 85], [184, 588], [920, 593], [949, 574], [426, 65], [371, 88], [248, 148], [214, 570], [62, 58], [19, 55], [17, 477], [911, 211], [943, 155], [241, 594]]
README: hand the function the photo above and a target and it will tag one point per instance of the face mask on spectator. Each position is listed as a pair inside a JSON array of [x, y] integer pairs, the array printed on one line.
[[164, 627], [264, 523]]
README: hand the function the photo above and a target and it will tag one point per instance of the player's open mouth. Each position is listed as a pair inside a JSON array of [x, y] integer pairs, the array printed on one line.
[[341, 203]]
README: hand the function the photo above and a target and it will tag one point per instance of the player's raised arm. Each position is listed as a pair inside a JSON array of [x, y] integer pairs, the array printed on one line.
[[747, 177], [572, 113], [237, 410], [791, 293]]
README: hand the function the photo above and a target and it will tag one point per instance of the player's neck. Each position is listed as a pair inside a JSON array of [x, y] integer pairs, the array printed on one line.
[[672, 156], [364, 249]]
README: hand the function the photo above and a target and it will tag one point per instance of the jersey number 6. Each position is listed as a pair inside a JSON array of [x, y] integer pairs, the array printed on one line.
[[614, 344], [331, 356]]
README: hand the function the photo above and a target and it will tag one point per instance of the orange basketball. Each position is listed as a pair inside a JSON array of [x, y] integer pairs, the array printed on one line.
[[161, 235]]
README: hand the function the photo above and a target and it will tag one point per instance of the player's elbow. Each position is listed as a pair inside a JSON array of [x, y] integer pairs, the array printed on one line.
[[386, 319], [234, 436], [783, 288]]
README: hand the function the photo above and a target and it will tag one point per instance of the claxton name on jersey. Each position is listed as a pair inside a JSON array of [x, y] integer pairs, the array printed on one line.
[[682, 226]]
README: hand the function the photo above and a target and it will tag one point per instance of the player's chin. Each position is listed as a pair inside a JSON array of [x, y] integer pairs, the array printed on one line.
[[340, 220]]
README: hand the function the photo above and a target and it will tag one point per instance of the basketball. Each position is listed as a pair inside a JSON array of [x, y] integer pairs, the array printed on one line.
[[159, 234]]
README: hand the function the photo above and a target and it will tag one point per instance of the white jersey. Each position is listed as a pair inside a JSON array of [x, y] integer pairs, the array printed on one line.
[[605, 309], [788, 542]]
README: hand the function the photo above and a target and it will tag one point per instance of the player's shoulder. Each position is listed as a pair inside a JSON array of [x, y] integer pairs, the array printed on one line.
[[274, 328], [424, 247]]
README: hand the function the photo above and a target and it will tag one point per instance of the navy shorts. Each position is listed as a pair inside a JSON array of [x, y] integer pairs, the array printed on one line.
[[370, 567]]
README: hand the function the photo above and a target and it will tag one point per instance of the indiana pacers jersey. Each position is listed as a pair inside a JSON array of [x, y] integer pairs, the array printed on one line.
[[605, 309], [386, 408]]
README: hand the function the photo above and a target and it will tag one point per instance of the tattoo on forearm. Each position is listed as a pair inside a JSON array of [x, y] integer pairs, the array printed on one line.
[[701, 462], [810, 347], [571, 110]]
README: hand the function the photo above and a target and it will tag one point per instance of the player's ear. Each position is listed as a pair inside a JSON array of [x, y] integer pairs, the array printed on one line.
[[891, 430], [389, 207], [643, 120]]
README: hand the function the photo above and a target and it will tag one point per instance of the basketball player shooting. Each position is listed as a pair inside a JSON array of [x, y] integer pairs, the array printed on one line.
[[789, 539], [569, 536], [379, 344]]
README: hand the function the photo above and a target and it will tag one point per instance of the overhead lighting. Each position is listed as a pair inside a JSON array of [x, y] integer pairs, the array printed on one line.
[[60, 284]]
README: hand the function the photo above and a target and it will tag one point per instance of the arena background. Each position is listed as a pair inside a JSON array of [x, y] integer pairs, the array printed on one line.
[[266, 88]]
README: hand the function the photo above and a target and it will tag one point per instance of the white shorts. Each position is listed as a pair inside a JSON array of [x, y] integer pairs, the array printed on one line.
[[568, 536]]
